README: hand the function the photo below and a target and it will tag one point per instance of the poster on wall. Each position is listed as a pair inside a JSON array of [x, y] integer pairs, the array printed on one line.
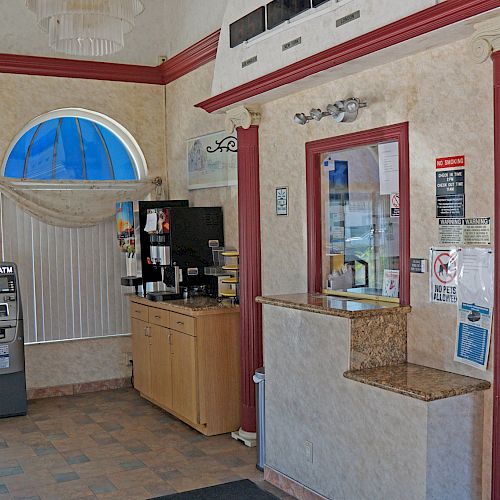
[[474, 231], [388, 164], [443, 275], [212, 161], [475, 306]]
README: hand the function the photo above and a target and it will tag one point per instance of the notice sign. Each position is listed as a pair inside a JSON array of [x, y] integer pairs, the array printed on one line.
[[395, 205], [450, 162], [450, 206], [443, 276], [450, 182], [475, 231]]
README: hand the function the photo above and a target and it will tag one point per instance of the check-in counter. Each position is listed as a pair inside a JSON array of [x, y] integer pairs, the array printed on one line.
[[361, 422]]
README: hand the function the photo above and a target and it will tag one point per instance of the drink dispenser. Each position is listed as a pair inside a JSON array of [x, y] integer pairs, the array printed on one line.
[[12, 376]]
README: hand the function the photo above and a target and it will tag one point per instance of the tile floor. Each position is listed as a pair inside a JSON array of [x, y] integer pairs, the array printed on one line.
[[113, 444]]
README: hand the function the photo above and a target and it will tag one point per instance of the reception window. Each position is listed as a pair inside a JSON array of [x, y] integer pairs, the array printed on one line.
[[360, 199], [358, 215]]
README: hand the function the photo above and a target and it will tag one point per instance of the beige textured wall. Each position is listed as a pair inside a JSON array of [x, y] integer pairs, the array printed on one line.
[[77, 361], [139, 108], [184, 121], [447, 100]]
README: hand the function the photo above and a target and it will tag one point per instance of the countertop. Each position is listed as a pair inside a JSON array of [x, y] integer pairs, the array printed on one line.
[[194, 306], [419, 382], [333, 306]]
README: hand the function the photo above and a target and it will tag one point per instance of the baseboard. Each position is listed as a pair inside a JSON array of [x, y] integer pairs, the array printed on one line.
[[290, 486], [72, 389]]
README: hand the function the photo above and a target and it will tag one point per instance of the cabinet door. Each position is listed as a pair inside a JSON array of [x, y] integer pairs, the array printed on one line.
[[161, 367], [184, 387], [140, 354]]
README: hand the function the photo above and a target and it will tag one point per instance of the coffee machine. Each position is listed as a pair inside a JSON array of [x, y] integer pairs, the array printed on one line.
[[176, 246]]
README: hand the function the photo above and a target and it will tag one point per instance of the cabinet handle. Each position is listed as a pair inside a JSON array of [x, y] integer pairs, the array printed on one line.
[[145, 331], [170, 339], [180, 322], [157, 317], [149, 331]]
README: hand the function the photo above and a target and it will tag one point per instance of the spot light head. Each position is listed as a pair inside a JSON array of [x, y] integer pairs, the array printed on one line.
[[300, 118], [316, 114]]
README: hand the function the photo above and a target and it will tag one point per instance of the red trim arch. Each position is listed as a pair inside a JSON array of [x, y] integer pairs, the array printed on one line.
[[399, 133]]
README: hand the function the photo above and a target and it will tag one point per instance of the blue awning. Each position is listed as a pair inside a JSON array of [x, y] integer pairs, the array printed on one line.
[[70, 148]]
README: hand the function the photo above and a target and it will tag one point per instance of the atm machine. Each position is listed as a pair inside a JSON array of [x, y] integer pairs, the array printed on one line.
[[12, 376]]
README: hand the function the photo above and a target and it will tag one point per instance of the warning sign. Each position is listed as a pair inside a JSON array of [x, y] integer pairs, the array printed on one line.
[[475, 231], [395, 205], [450, 162], [443, 276]]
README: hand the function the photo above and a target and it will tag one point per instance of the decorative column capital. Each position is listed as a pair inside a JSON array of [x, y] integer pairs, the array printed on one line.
[[241, 117], [486, 39]]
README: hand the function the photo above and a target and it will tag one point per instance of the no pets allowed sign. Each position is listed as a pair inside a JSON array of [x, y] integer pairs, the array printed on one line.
[[443, 275]]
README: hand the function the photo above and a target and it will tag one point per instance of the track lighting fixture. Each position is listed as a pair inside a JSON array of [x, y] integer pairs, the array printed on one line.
[[345, 111]]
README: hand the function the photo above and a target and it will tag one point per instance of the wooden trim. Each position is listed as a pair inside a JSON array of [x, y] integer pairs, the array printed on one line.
[[399, 133], [495, 473], [420, 23], [70, 68], [190, 59]]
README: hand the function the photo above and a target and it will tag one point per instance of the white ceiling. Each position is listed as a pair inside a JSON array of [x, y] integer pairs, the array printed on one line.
[[164, 28]]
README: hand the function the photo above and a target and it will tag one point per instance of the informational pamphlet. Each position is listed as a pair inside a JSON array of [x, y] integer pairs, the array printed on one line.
[[391, 283], [388, 164], [475, 306]]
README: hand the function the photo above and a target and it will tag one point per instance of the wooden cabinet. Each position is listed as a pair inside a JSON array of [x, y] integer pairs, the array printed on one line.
[[187, 361]]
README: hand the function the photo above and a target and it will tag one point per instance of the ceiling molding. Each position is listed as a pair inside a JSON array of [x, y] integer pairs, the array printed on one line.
[[186, 61], [420, 23], [190, 59], [71, 68]]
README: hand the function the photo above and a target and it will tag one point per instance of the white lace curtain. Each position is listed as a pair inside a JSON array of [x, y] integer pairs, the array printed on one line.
[[75, 203]]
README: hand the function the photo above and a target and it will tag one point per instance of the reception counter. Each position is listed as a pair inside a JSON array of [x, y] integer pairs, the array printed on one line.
[[378, 427]]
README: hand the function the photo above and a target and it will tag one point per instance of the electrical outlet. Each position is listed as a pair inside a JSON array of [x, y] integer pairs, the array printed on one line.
[[128, 358], [308, 450]]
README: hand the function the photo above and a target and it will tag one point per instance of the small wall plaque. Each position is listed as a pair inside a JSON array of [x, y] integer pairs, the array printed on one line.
[[282, 201]]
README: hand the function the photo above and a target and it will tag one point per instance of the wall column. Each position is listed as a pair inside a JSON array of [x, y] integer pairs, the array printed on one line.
[[246, 124], [485, 44]]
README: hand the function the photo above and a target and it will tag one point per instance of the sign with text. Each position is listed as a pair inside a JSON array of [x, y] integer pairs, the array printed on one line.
[[450, 162], [443, 275], [418, 266], [475, 231], [450, 206], [395, 205], [450, 182]]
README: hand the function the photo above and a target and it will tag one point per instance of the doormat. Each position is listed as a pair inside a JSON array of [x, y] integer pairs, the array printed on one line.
[[236, 490]]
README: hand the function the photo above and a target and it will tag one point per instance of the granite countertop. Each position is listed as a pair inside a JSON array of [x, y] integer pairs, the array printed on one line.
[[419, 382], [333, 306], [199, 304]]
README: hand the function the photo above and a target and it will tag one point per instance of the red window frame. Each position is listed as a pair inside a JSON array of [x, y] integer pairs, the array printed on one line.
[[314, 149]]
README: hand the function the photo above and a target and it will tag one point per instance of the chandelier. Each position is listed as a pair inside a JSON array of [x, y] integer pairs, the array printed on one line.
[[86, 27]]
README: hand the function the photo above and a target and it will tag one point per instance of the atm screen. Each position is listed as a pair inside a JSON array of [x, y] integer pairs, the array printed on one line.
[[4, 310], [4, 284]]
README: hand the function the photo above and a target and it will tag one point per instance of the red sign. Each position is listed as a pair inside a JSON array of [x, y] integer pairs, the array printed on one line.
[[445, 268], [450, 162]]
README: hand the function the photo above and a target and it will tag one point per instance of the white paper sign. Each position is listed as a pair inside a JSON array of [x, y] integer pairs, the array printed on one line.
[[391, 283], [475, 306], [388, 166], [443, 275]]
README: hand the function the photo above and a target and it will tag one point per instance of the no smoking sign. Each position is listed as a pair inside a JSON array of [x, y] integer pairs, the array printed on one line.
[[443, 279]]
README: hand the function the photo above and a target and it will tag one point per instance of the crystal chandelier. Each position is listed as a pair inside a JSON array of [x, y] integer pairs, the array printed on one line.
[[86, 27]]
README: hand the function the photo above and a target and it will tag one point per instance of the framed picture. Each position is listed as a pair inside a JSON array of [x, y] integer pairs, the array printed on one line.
[[282, 201], [212, 161]]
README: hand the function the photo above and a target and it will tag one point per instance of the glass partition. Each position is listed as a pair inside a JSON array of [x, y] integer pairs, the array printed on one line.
[[360, 221]]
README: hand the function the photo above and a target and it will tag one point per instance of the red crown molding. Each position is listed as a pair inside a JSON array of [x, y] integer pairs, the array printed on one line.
[[70, 68], [193, 57], [190, 59], [314, 149], [420, 23]]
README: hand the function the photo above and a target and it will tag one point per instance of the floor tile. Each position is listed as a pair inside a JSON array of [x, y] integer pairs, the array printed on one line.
[[110, 445]]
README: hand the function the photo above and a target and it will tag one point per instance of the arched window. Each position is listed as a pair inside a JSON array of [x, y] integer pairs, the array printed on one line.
[[88, 158]]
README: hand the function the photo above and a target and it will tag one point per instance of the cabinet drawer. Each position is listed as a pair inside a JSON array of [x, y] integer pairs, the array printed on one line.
[[139, 311], [182, 323], [158, 317]]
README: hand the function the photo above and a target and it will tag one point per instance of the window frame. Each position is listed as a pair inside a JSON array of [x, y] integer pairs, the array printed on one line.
[[131, 145], [314, 149]]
